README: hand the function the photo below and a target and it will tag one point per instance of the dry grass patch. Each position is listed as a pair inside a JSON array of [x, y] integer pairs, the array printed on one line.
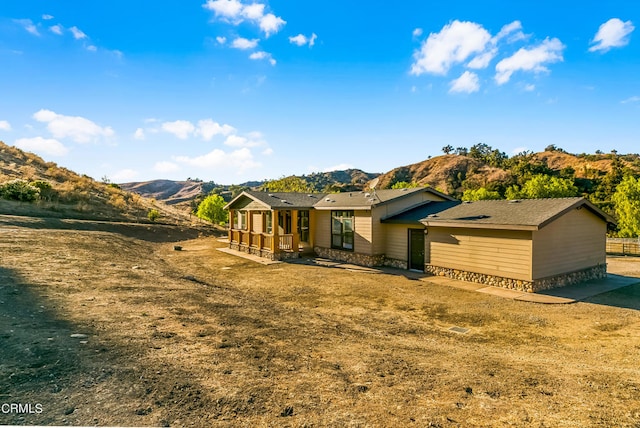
[[199, 337]]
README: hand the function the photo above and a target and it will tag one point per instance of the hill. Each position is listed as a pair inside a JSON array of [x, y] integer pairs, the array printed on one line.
[[168, 191], [66, 194]]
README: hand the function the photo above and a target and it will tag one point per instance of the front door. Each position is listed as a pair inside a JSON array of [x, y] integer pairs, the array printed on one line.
[[416, 249]]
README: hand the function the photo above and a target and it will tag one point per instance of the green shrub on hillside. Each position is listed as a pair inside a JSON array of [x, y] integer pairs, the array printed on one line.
[[19, 190], [153, 214]]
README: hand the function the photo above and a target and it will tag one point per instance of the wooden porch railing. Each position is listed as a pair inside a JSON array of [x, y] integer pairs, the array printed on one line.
[[263, 241]]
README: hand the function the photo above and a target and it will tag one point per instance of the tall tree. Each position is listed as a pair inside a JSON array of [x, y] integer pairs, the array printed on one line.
[[212, 209], [480, 194], [627, 200], [543, 186]]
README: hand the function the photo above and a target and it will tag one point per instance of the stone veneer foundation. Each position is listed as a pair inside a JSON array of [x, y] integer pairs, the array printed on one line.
[[359, 258], [284, 255], [594, 272]]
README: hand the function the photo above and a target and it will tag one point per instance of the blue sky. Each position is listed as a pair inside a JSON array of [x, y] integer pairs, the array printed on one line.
[[235, 90]]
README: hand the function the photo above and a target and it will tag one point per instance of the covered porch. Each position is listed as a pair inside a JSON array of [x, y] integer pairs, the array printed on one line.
[[256, 232]]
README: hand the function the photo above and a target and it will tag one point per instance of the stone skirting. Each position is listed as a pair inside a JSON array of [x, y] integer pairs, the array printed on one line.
[[594, 272], [266, 254], [395, 263], [350, 257]]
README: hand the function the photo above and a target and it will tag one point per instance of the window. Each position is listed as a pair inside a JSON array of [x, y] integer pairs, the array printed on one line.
[[303, 225], [342, 230], [268, 222], [240, 220]]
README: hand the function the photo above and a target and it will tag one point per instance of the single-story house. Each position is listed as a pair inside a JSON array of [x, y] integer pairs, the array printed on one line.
[[341, 226], [529, 245]]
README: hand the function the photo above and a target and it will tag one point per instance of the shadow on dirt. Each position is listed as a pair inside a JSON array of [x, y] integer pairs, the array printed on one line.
[[158, 233]]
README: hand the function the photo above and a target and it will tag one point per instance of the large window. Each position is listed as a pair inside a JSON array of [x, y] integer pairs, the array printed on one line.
[[303, 225], [342, 230], [240, 220]]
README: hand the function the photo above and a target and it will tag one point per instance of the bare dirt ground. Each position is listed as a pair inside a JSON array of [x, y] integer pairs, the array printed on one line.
[[111, 326]]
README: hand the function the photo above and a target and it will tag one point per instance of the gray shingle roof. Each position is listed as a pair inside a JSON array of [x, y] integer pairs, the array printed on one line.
[[529, 214], [367, 200], [415, 214], [283, 200]]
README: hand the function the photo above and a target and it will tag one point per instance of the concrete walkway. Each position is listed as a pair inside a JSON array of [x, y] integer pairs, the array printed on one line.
[[562, 295]]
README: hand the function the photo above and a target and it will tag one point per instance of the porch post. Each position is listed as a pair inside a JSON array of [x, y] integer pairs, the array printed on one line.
[[294, 231], [231, 214], [275, 242]]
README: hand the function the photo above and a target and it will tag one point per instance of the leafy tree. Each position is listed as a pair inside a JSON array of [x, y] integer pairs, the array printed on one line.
[[462, 151], [288, 184], [543, 186], [405, 185], [212, 209], [480, 194], [627, 200], [19, 190], [153, 214], [447, 149]]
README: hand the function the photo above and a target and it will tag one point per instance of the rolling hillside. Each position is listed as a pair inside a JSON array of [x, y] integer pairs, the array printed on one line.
[[66, 194]]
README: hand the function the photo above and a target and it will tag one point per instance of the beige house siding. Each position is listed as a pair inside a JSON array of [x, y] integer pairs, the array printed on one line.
[[575, 241], [362, 232], [257, 222], [500, 253], [397, 247], [322, 229]]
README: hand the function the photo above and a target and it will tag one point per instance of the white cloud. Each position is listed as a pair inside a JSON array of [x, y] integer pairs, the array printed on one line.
[[417, 32], [92, 48], [263, 55], [207, 128], [166, 167], [530, 87], [532, 59], [242, 43], [633, 99], [254, 140], [79, 129], [513, 33], [270, 24], [124, 175], [468, 83], [482, 61], [238, 160], [612, 34], [47, 17], [77, 33], [235, 12], [268, 151], [28, 25], [339, 167], [44, 146], [139, 134], [221, 40], [5, 126], [180, 128], [453, 44], [57, 29], [302, 40]]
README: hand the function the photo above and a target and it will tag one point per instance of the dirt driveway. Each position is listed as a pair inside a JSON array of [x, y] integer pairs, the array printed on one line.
[[114, 327]]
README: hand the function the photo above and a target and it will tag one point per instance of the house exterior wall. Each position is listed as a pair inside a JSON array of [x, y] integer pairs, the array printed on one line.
[[322, 230], [571, 243], [499, 253], [256, 224]]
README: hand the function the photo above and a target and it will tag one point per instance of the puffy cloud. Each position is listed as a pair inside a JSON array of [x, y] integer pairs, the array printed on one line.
[[302, 40], [242, 43], [235, 12], [56, 29], [417, 32], [77, 33], [221, 40], [612, 34], [533, 59], [512, 32], [28, 25], [139, 134], [263, 55], [180, 128], [44, 146], [453, 44], [482, 61], [5, 126], [339, 167], [47, 17], [79, 129], [253, 139], [207, 128], [468, 83], [238, 160], [166, 167], [270, 24]]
